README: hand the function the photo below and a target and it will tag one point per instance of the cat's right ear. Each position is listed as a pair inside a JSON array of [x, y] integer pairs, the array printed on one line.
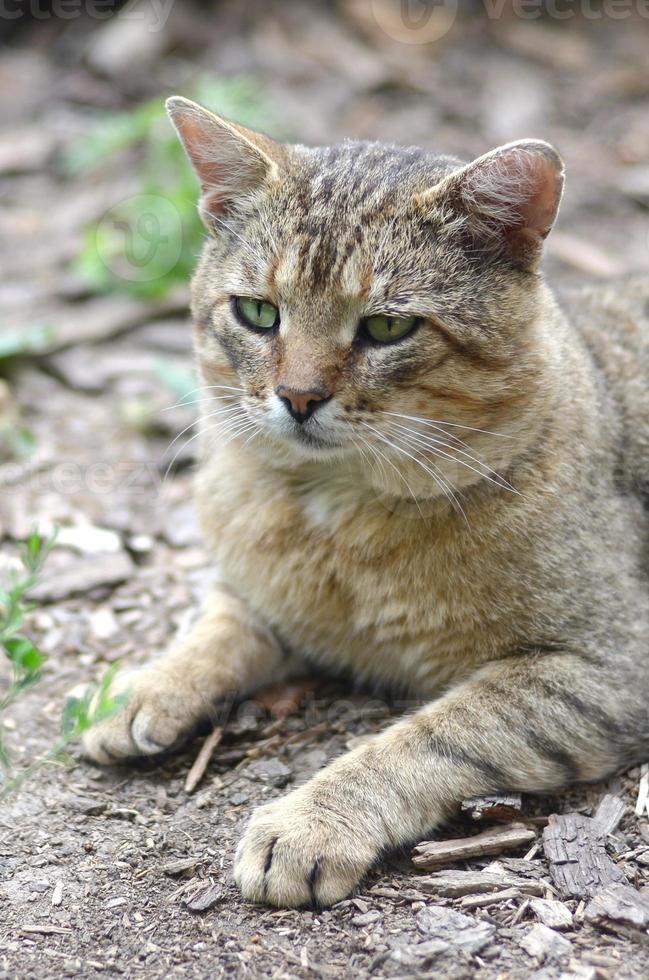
[[230, 160], [506, 200]]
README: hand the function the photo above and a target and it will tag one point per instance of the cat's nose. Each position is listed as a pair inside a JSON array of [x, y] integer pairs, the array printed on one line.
[[301, 404]]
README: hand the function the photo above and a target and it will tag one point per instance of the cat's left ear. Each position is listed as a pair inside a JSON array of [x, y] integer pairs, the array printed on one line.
[[230, 160], [508, 198]]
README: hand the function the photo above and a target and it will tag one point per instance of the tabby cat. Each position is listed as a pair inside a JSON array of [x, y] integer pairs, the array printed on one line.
[[416, 467]]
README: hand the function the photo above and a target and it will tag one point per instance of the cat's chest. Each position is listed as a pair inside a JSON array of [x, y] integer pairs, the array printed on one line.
[[342, 577]]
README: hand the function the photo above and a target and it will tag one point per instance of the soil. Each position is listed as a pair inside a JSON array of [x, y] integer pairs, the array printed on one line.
[[121, 871]]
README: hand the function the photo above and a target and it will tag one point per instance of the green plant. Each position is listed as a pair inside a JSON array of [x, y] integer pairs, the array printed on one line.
[[26, 662], [158, 226]]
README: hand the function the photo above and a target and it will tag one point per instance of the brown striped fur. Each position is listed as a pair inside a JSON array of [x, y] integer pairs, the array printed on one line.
[[519, 605]]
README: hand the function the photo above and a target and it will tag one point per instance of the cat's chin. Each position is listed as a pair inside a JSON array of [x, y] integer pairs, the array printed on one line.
[[301, 447]]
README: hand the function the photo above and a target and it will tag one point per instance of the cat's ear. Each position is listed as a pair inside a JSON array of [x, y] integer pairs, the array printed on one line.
[[508, 198], [229, 159]]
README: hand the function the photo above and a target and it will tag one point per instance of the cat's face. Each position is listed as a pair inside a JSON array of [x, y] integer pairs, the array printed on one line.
[[362, 299]]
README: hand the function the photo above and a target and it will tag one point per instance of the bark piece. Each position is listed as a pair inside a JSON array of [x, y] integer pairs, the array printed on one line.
[[454, 884], [618, 903], [609, 813], [180, 866], [551, 913], [208, 894], [459, 931], [500, 807], [435, 854], [545, 944], [579, 864]]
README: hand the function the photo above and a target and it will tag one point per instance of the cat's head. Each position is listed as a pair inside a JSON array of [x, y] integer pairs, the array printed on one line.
[[345, 292]]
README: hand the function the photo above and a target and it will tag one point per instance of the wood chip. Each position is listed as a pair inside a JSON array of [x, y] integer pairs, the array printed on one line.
[[545, 944], [435, 854], [495, 898], [501, 808], [609, 813], [202, 760], [618, 903], [579, 864], [180, 866], [553, 914], [461, 932], [209, 893], [45, 930], [455, 884]]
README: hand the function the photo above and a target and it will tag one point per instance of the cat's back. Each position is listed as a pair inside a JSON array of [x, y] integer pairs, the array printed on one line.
[[612, 320]]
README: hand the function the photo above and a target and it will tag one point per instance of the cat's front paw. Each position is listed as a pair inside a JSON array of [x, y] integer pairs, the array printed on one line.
[[301, 850], [155, 715]]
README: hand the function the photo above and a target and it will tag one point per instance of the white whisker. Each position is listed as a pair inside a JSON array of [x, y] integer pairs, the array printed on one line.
[[432, 445], [197, 401], [438, 422], [446, 489]]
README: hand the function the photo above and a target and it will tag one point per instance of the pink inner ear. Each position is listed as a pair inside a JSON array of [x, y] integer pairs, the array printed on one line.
[[512, 197], [533, 185], [209, 171], [544, 204]]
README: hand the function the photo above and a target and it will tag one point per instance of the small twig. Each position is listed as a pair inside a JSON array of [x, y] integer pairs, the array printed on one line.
[[202, 760], [46, 930]]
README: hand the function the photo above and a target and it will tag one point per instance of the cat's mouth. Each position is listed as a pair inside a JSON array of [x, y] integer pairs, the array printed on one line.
[[314, 439]]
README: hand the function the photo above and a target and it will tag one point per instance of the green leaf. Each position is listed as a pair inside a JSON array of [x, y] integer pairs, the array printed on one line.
[[75, 716], [24, 655]]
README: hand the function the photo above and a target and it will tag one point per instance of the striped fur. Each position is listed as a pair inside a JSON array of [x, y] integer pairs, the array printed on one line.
[[466, 519]]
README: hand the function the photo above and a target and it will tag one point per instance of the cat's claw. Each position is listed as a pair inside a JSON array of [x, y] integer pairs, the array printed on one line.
[[153, 718], [295, 853]]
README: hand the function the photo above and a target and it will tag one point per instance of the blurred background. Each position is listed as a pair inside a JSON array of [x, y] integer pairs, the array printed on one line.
[[99, 232]]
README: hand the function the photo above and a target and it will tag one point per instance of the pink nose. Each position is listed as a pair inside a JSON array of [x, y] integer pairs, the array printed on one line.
[[301, 404]]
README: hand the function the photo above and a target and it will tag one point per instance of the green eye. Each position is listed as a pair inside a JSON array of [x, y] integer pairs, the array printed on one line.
[[256, 313], [386, 329]]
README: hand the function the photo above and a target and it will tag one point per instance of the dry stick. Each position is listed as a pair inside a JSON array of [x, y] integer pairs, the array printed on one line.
[[202, 760], [436, 854]]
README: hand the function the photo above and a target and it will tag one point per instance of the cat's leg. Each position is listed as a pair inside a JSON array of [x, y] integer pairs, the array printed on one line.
[[529, 723], [227, 653]]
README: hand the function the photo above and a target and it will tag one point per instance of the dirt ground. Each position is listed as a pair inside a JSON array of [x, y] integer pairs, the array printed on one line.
[[91, 877]]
